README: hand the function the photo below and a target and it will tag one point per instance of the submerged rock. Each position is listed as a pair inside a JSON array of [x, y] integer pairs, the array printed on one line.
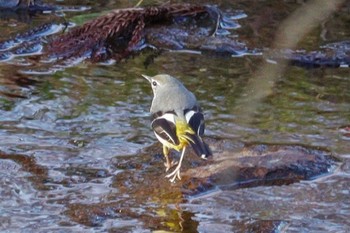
[[263, 164], [231, 167], [331, 55]]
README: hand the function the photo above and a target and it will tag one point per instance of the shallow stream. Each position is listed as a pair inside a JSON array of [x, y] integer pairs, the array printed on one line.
[[65, 137]]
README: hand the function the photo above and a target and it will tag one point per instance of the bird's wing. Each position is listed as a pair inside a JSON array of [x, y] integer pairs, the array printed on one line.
[[164, 127], [195, 119]]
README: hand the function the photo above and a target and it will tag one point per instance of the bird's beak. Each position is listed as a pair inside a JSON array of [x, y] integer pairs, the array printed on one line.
[[147, 77]]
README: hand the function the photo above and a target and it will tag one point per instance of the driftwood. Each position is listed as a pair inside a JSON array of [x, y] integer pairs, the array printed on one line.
[[95, 38]]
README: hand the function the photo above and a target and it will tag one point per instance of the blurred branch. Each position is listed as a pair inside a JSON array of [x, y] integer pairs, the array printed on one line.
[[289, 33]]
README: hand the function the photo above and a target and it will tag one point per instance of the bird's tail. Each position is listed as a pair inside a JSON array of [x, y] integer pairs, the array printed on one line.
[[199, 146]]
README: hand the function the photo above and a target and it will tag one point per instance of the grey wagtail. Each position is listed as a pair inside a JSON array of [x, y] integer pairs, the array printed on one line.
[[177, 120]]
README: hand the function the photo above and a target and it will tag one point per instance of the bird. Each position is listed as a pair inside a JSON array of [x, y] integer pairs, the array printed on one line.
[[177, 120]]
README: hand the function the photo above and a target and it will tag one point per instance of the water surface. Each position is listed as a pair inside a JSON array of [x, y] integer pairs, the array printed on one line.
[[65, 137]]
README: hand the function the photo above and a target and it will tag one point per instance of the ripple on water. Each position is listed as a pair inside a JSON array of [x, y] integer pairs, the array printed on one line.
[[305, 206]]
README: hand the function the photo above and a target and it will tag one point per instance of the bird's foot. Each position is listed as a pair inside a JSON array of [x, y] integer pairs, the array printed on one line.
[[174, 174], [169, 165]]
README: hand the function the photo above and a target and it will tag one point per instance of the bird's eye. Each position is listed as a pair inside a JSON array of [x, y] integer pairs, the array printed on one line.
[[154, 83]]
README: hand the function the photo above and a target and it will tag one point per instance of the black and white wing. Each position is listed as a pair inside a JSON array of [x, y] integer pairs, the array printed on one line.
[[164, 128], [195, 119]]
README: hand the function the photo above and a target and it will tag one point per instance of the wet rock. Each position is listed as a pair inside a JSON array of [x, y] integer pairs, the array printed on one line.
[[263, 226], [252, 225], [331, 55], [23, 10], [39, 174], [86, 172], [195, 35], [262, 164], [92, 215], [231, 167]]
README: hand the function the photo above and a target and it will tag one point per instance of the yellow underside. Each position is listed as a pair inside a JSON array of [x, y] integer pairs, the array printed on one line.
[[182, 128]]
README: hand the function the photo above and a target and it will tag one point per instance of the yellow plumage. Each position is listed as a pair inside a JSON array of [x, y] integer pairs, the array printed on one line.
[[182, 128]]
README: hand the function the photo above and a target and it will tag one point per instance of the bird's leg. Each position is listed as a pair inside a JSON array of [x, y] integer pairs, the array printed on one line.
[[30, 2], [167, 164], [176, 172]]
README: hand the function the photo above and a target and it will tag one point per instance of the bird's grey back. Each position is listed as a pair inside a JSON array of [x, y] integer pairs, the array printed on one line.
[[173, 96]]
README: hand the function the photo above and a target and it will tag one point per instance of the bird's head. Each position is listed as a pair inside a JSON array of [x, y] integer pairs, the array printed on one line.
[[161, 81]]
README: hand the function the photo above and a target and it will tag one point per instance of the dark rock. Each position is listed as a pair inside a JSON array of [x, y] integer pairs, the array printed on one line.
[[262, 226], [231, 167], [28, 164], [257, 165]]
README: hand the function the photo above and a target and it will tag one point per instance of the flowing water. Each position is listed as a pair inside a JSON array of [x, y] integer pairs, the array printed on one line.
[[66, 138]]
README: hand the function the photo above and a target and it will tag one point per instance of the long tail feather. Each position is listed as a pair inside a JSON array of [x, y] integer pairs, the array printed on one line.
[[199, 146]]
